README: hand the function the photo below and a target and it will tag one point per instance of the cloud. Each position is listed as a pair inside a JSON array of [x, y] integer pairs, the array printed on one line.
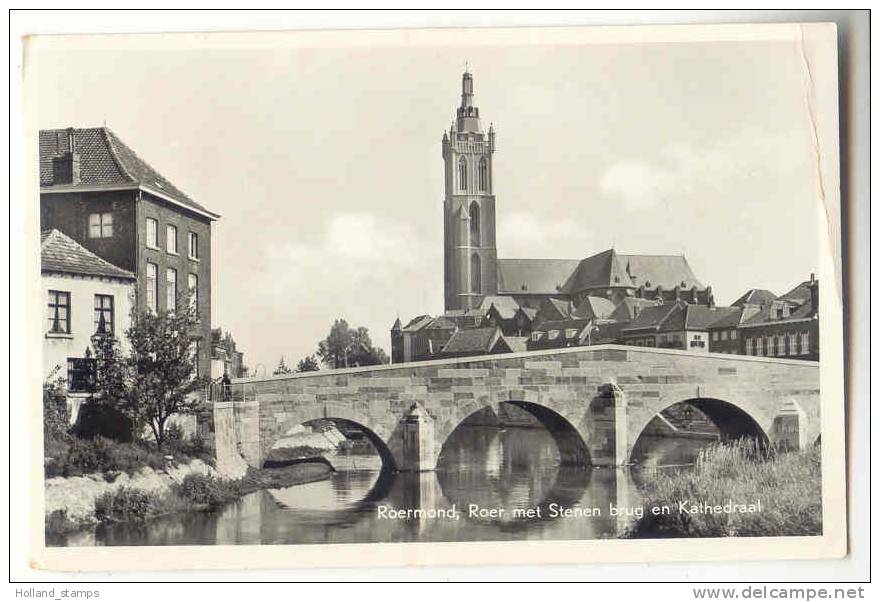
[[362, 267], [683, 170], [525, 234]]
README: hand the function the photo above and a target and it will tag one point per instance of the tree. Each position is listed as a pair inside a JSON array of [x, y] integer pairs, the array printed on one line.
[[157, 378], [56, 416], [308, 364], [346, 346], [282, 368]]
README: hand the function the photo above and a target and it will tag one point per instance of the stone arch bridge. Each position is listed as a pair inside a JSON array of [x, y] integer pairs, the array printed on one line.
[[596, 401]]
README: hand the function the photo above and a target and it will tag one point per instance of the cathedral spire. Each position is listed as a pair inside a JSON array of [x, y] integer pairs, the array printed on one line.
[[468, 114]]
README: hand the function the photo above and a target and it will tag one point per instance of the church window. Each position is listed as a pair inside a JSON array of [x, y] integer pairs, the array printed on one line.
[[462, 173], [474, 214], [483, 175], [476, 274]]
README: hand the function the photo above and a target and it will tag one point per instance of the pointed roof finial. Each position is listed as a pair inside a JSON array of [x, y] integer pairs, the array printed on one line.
[[466, 67]]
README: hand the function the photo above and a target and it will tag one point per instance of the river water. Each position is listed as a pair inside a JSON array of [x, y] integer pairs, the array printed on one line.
[[498, 470]]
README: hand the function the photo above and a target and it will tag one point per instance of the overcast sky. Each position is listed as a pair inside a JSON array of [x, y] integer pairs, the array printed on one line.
[[325, 164]]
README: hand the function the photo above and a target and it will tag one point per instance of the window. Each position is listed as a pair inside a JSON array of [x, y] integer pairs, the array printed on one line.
[[759, 346], [193, 286], [171, 239], [462, 173], [552, 334], [570, 333], [805, 343], [792, 344], [100, 225], [483, 175], [59, 312], [152, 233], [193, 245], [81, 374], [780, 345], [152, 285], [103, 314], [194, 351], [771, 346], [733, 335], [536, 336], [750, 346], [476, 274], [170, 289], [474, 214], [715, 335]]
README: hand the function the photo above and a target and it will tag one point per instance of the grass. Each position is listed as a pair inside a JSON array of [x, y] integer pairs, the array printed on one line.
[[788, 485]]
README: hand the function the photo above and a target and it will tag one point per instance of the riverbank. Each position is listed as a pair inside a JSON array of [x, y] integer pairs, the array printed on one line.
[[757, 494], [82, 502]]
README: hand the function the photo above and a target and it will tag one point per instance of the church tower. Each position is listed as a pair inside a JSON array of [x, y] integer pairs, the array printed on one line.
[[470, 259]]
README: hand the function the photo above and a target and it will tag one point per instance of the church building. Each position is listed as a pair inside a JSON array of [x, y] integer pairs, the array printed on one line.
[[471, 264], [477, 282]]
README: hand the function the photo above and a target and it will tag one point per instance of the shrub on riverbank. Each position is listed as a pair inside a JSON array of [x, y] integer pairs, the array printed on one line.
[[787, 484], [127, 504], [205, 491], [75, 457]]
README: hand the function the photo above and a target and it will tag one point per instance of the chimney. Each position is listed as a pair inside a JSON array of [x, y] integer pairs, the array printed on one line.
[[814, 294], [66, 167]]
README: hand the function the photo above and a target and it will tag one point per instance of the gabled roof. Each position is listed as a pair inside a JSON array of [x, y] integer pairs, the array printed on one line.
[[701, 317], [627, 309], [396, 326], [104, 160], [594, 307], [534, 276], [728, 317], [61, 254], [661, 317], [472, 340], [505, 306], [417, 323], [755, 296], [799, 294], [667, 271], [549, 325], [601, 269]]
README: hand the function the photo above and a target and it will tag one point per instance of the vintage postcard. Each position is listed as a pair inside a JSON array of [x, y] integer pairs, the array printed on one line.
[[435, 297]]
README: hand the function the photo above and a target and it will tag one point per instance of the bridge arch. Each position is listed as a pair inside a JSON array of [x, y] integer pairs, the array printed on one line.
[[734, 420], [376, 433], [565, 428]]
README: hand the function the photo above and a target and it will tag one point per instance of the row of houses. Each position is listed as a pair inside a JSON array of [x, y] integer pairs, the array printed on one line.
[[118, 238], [758, 323]]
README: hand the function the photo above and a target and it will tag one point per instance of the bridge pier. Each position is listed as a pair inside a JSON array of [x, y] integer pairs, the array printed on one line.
[[419, 448]]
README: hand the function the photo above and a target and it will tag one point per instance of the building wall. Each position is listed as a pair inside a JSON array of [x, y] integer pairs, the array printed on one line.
[[165, 214], [724, 340], [58, 347], [69, 213], [784, 328]]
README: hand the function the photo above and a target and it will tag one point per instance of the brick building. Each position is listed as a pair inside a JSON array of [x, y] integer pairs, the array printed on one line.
[[101, 194], [785, 327]]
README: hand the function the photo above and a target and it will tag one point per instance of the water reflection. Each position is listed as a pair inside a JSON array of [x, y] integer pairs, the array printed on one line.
[[514, 471]]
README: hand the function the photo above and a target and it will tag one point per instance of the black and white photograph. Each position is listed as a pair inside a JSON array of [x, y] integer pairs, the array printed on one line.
[[382, 288]]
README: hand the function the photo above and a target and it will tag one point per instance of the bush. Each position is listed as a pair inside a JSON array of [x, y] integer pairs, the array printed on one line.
[[126, 504], [84, 456], [56, 416], [789, 486], [99, 420], [203, 490]]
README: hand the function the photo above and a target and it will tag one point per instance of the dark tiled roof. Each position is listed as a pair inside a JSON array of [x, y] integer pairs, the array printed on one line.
[[755, 296], [105, 160], [441, 323], [601, 269], [594, 307], [562, 325], [61, 254], [728, 317], [799, 294], [667, 271], [469, 340], [627, 309], [534, 276], [505, 306], [661, 317], [701, 317], [417, 323]]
